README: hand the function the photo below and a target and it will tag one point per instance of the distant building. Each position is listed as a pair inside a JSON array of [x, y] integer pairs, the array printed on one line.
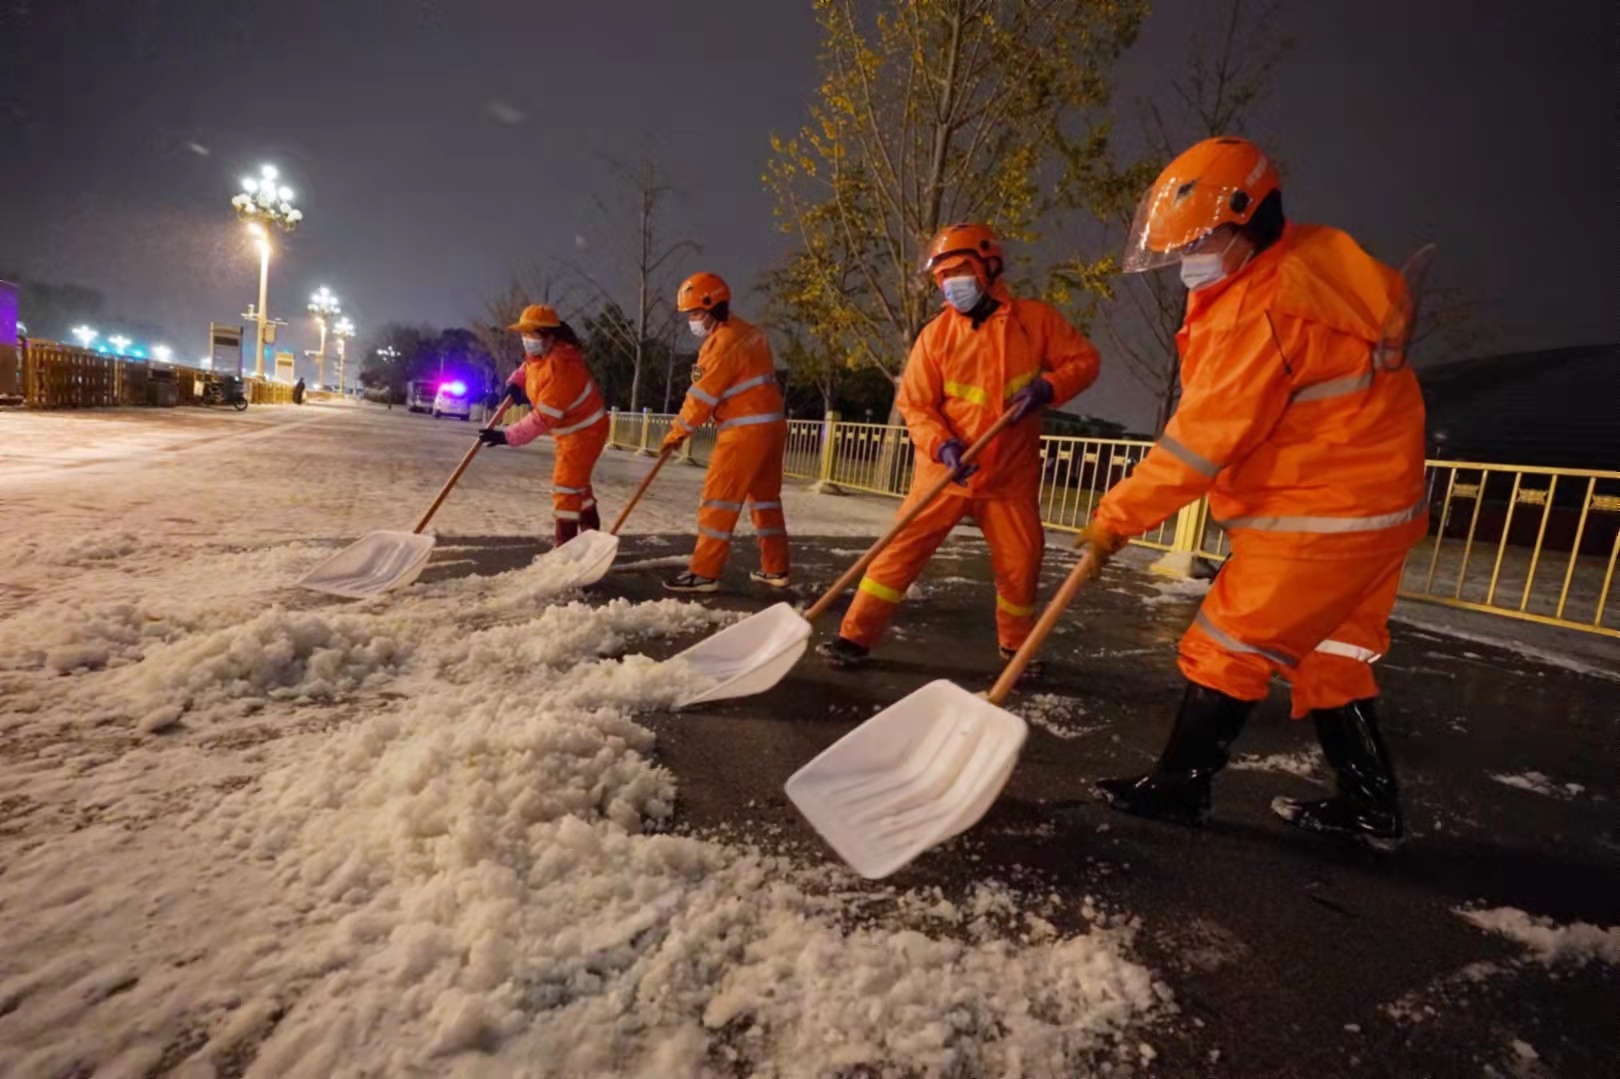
[[1559, 408]]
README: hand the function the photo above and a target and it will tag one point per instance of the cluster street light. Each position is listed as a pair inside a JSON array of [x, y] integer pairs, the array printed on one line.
[[342, 331], [162, 353], [120, 344], [264, 204], [86, 336], [324, 306]]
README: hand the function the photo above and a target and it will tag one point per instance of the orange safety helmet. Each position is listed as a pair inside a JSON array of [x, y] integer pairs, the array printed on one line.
[[965, 244], [535, 318], [1217, 182], [702, 292]]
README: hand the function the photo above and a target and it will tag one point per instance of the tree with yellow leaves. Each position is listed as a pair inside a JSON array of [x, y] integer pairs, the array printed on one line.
[[931, 112]]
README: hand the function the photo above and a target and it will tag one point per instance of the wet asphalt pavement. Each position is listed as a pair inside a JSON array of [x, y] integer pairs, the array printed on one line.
[[1288, 954]]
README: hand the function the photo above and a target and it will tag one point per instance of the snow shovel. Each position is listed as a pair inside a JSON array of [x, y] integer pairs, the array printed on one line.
[[379, 561], [587, 557], [753, 655], [926, 768]]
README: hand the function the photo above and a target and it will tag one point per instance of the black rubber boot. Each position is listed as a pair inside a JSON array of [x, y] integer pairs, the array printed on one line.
[[1367, 807], [562, 531], [590, 520], [1177, 790], [843, 654]]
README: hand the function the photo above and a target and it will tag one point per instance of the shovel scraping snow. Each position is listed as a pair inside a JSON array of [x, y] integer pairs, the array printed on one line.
[[753, 655], [379, 561], [926, 768], [587, 557]]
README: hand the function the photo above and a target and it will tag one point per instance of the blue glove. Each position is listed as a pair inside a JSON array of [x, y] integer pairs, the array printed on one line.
[[1031, 399], [950, 455]]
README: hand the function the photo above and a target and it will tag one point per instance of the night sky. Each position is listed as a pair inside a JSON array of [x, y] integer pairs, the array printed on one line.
[[435, 144]]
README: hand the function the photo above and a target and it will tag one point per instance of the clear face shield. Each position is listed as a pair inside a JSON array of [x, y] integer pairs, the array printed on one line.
[[1175, 219]]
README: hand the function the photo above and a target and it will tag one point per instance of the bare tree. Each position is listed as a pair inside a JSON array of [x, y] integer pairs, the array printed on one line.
[[639, 261], [529, 285], [1230, 72]]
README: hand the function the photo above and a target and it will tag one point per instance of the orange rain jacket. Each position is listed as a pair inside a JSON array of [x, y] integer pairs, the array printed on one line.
[[958, 381], [735, 384], [566, 404], [1299, 437]]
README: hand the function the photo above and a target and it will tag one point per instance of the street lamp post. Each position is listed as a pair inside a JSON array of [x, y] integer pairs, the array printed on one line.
[[324, 306], [264, 205], [342, 331]]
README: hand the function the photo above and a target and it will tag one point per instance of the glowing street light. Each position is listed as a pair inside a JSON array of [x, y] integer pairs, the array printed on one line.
[[162, 353], [119, 343], [342, 331], [86, 335], [264, 203], [324, 306]]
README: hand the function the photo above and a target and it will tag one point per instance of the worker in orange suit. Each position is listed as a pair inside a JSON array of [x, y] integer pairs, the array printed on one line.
[[1302, 423], [734, 384], [986, 352], [555, 383]]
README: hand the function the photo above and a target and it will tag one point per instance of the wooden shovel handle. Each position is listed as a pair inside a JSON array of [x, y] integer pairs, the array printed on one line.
[[906, 517], [444, 492], [1083, 571], [646, 483]]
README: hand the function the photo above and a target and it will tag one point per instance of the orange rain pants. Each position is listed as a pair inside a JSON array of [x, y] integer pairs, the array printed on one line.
[[1012, 528], [571, 493], [1321, 622], [746, 467]]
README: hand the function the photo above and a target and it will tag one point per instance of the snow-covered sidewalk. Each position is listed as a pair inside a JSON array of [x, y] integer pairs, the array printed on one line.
[[248, 830]]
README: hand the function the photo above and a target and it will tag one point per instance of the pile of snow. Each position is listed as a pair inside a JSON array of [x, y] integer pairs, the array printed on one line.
[[1539, 783], [1578, 943], [458, 862], [279, 655]]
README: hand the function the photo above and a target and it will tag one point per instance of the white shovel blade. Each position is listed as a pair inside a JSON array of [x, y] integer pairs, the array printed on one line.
[[748, 657], [919, 772], [583, 560], [371, 565]]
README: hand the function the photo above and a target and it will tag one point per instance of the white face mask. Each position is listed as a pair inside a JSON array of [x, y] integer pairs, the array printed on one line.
[[1207, 267], [536, 346], [699, 326], [962, 293]]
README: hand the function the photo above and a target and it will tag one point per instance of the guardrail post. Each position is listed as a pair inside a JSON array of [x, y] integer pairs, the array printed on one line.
[[824, 484], [646, 430], [1182, 559], [686, 457]]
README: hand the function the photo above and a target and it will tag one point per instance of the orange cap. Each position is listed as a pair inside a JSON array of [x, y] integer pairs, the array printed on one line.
[[536, 316], [702, 292], [1216, 182]]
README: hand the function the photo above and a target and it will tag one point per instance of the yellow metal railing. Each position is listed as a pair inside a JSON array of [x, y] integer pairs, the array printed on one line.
[[1534, 543]]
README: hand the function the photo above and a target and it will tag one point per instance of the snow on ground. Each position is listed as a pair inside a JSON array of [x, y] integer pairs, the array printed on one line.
[[1548, 942], [1169, 590], [1307, 763], [1056, 715], [252, 830], [1538, 783]]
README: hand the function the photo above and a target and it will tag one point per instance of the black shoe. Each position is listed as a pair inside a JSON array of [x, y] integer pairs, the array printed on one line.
[[770, 580], [1033, 671], [1178, 788], [691, 582], [843, 654], [1367, 807], [590, 520]]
